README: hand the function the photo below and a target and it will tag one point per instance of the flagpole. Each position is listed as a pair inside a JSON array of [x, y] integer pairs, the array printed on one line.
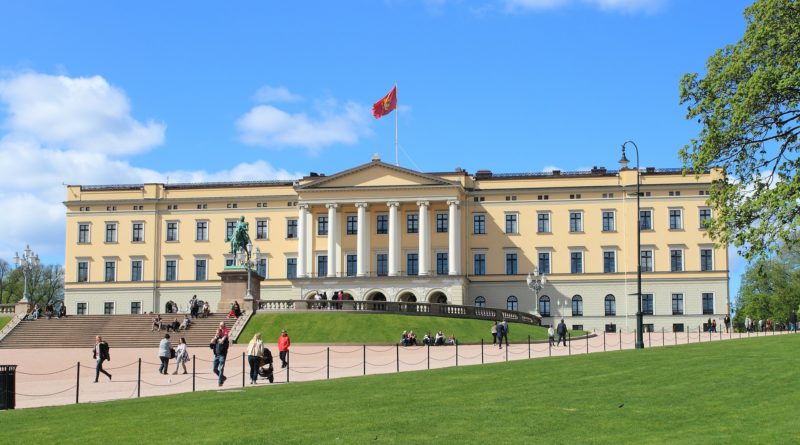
[[396, 117]]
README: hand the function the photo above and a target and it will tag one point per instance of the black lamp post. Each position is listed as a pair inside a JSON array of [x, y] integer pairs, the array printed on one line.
[[639, 321]]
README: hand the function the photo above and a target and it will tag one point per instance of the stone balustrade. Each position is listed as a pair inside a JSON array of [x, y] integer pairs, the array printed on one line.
[[7, 309]]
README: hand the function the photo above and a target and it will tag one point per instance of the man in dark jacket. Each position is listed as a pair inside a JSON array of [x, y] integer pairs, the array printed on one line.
[[101, 354], [793, 321], [220, 347], [561, 330]]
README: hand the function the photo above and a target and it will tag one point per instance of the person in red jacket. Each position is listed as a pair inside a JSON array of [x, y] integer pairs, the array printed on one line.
[[283, 348]]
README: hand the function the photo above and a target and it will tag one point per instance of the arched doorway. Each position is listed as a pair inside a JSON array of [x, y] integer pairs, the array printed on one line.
[[437, 297], [379, 298], [407, 297]]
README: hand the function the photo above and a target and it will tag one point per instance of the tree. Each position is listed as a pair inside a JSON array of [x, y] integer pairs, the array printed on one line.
[[45, 284], [770, 288], [749, 107]]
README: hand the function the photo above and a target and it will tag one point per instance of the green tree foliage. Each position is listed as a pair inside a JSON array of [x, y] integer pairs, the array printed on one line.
[[45, 283], [749, 107], [770, 288]]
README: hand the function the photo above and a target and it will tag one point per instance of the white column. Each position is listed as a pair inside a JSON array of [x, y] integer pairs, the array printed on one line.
[[424, 239], [333, 233], [301, 245], [362, 241], [394, 239], [454, 238]]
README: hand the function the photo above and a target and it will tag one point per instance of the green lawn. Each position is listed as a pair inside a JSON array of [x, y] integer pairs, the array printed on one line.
[[4, 321], [740, 391], [333, 327]]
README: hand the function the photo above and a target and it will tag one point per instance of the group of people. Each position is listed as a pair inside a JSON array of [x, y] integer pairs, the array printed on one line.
[[235, 311], [49, 311], [409, 338], [499, 333], [198, 308], [174, 325], [167, 352], [759, 325], [321, 300], [561, 330]]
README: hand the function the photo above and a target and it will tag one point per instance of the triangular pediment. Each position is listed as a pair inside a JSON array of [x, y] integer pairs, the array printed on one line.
[[376, 174]]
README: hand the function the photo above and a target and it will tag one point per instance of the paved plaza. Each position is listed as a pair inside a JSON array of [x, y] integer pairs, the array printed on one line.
[[47, 377]]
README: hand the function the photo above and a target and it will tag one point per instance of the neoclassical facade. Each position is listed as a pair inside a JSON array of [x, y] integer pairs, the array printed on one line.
[[383, 232]]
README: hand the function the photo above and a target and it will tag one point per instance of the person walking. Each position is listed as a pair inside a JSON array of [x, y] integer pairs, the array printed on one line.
[[181, 356], [494, 332], [550, 335], [101, 354], [255, 352], [283, 348], [561, 330], [501, 332], [793, 321], [164, 353], [219, 344], [504, 323], [727, 321]]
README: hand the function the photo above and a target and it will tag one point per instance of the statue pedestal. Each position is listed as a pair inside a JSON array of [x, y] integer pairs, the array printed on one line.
[[234, 287], [22, 307]]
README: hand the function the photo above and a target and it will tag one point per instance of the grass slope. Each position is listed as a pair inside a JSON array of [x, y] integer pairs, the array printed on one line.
[[4, 321], [333, 327], [739, 391]]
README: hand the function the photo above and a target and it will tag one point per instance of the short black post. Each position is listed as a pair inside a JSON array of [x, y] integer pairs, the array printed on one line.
[[675, 335], [328, 364], [77, 381], [194, 365], [587, 343], [456, 353], [529, 346], [287, 366], [429, 356], [397, 355], [709, 333], [139, 380], [481, 351], [242, 369], [507, 347], [549, 347], [662, 335], [569, 342], [649, 340], [604, 341], [365, 359], [620, 339]]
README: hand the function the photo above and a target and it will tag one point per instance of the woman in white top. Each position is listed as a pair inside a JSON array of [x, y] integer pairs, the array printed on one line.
[[550, 335], [255, 351], [181, 356]]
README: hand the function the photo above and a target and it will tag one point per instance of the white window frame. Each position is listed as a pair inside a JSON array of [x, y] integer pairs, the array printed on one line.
[[116, 232], [652, 251], [114, 260], [177, 267], [614, 251], [483, 252], [266, 266], [297, 227], [113, 311], [581, 229], [583, 260], [88, 233], [613, 220], [549, 220], [319, 254], [130, 270], [208, 230], [344, 268], [286, 258], [652, 218], [506, 251], [516, 223], [82, 302], [88, 261], [682, 249], [713, 302], [141, 306], [143, 231], [700, 220], [680, 219], [405, 262], [710, 247], [177, 231], [266, 221], [199, 257], [435, 262]]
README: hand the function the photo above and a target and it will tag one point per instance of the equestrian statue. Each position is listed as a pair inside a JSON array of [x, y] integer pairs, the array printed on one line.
[[240, 238]]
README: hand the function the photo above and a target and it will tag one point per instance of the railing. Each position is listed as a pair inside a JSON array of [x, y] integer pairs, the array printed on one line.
[[11, 325], [402, 307], [7, 309], [239, 325]]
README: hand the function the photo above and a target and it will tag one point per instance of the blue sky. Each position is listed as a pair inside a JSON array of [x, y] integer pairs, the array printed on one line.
[[96, 92]]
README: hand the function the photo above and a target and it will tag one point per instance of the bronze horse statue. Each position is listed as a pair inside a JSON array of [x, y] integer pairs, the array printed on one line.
[[240, 238]]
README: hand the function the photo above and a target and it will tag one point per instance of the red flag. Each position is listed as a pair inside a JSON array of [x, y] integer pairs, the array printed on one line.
[[385, 105]]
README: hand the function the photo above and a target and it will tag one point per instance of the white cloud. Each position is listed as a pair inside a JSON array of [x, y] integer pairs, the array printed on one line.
[[267, 94], [85, 114], [269, 126], [625, 6]]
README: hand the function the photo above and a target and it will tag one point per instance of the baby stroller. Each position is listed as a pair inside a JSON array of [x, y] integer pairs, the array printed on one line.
[[265, 369]]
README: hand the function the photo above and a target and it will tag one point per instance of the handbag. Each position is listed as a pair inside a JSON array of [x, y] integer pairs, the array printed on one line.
[[172, 353]]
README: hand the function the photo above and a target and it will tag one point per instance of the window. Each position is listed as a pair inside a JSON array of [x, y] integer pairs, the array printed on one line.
[[480, 301], [677, 304], [705, 218], [609, 261], [646, 260], [291, 229], [322, 265], [511, 223], [136, 270], [479, 267], [512, 304], [511, 264], [291, 268], [576, 262], [610, 305], [172, 231], [575, 222], [261, 267], [544, 262], [137, 232], [230, 226], [108, 308], [543, 223], [382, 264], [201, 231], [674, 193], [576, 196], [83, 271], [441, 263], [322, 225], [608, 222], [441, 223], [675, 219], [352, 263], [382, 224], [577, 306], [136, 307], [111, 271], [352, 225], [172, 270], [80, 308], [647, 304], [412, 264], [200, 270], [479, 224], [646, 219], [676, 260], [111, 232], [83, 233], [262, 229], [706, 260], [412, 223], [677, 327], [544, 306], [708, 303]]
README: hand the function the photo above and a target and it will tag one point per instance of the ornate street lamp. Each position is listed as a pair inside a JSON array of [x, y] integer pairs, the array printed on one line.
[[639, 321], [27, 262], [536, 283], [250, 261]]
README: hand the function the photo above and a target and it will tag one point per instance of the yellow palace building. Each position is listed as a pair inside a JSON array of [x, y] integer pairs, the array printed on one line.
[[382, 232]]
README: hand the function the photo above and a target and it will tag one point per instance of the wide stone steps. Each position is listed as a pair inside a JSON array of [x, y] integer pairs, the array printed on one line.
[[120, 331]]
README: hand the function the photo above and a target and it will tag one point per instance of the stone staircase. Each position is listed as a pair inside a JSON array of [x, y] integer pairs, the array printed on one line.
[[120, 331]]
